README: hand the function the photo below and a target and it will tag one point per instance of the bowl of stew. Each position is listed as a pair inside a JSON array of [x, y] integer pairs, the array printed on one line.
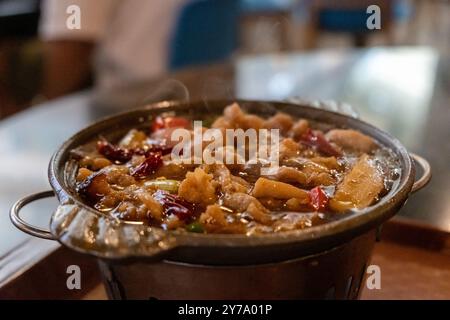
[[245, 189]]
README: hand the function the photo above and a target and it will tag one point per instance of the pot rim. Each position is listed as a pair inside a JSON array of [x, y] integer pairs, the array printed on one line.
[[356, 222]]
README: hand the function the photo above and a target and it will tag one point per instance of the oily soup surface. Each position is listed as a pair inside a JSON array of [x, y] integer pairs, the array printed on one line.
[[151, 177]]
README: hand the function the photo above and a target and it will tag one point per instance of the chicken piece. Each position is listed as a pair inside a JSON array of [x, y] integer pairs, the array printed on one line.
[[349, 139], [359, 188], [304, 172], [155, 208], [238, 201], [330, 163], [297, 204], [243, 202], [289, 174], [259, 213], [281, 121], [198, 187], [226, 181], [237, 185], [320, 179], [299, 129], [289, 149], [235, 118], [233, 112], [213, 218], [251, 121], [129, 211], [317, 174], [278, 190], [118, 175], [222, 123]]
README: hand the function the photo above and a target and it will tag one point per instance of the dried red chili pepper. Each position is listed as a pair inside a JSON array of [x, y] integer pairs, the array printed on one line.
[[170, 122], [316, 139], [163, 149], [153, 161], [122, 155], [318, 199], [174, 205], [112, 152]]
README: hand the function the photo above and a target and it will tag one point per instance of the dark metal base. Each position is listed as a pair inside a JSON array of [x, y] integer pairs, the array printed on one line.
[[334, 274]]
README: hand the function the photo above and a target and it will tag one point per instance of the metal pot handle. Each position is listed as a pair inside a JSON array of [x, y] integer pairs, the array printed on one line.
[[426, 175], [22, 224]]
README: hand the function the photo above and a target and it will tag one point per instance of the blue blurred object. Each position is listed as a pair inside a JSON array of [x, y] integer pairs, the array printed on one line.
[[354, 19], [403, 10], [348, 20], [251, 6], [206, 32]]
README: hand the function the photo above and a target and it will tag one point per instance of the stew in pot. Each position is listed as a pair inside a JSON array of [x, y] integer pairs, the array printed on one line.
[[308, 174]]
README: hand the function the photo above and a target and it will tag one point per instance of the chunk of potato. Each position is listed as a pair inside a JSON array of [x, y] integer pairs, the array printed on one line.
[[359, 188], [278, 190]]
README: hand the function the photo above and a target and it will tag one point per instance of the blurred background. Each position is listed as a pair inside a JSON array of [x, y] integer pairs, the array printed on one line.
[[198, 32]]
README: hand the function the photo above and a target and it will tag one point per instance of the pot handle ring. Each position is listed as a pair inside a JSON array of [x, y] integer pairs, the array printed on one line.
[[22, 224], [426, 175]]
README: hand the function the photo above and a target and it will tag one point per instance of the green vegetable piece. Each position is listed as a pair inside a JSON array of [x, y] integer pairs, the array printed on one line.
[[195, 227]]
